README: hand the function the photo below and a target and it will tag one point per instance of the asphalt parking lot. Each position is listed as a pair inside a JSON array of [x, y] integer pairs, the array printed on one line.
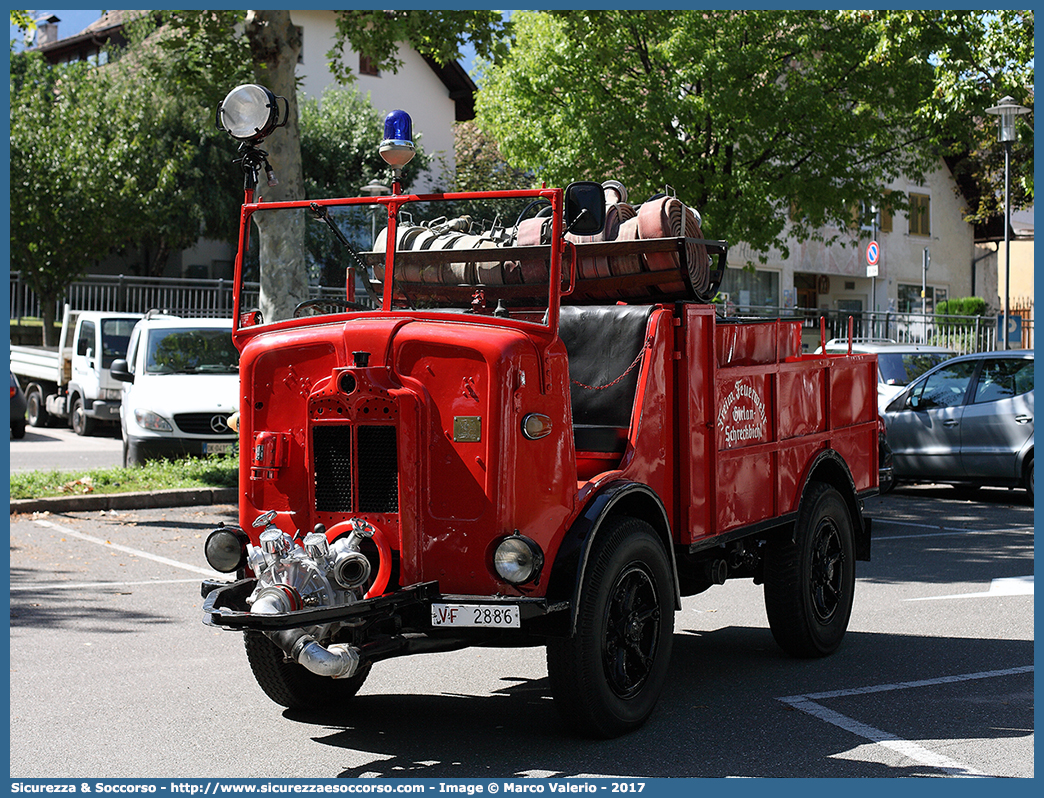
[[934, 679]]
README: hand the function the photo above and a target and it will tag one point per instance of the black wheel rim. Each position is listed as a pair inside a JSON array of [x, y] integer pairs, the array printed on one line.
[[826, 585], [632, 619]]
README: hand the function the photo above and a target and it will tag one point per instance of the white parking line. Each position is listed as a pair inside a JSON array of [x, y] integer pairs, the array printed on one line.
[[809, 703], [41, 588], [1007, 586], [126, 549], [939, 531]]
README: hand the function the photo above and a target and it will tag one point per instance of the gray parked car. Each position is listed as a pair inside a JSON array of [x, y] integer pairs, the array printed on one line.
[[967, 421]]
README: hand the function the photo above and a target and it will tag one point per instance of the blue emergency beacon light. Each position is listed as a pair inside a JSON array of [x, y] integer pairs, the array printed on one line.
[[397, 148]]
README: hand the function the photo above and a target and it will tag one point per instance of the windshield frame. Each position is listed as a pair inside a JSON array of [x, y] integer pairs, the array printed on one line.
[[392, 205]]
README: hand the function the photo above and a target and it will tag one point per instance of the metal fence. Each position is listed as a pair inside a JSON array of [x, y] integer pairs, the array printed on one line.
[[188, 297], [963, 334], [122, 294]]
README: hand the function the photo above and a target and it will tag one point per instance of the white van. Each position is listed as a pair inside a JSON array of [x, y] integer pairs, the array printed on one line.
[[180, 385], [897, 364]]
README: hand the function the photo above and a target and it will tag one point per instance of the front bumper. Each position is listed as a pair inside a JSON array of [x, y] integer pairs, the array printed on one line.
[[105, 411], [225, 606], [156, 448]]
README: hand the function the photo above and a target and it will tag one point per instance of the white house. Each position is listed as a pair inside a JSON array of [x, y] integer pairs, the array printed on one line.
[[837, 277]]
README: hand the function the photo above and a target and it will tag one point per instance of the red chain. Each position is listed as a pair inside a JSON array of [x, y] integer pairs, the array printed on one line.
[[630, 368]]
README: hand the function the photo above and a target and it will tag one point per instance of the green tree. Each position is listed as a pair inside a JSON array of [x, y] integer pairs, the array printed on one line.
[[164, 155], [749, 116], [61, 219], [339, 154], [102, 162], [22, 20], [979, 57]]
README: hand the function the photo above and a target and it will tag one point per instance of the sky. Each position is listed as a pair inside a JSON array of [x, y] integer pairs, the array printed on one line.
[[72, 22]]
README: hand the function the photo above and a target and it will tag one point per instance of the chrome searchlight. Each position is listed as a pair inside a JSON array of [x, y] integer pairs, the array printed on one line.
[[397, 148], [251, 112]]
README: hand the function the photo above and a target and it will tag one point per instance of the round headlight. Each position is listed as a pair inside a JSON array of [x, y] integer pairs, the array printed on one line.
[[518, 559], [225, 550]]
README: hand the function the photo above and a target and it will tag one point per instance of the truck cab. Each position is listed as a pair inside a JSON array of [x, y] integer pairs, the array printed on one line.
[[72, 382]]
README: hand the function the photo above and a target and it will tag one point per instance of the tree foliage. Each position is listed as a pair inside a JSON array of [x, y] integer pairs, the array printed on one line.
[[440, 35], [60, 212], [773, 123], [103, 163], [979, 58]]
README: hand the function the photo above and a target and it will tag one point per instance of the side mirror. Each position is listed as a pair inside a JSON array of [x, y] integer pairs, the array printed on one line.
[[120, 371], [584, 208]]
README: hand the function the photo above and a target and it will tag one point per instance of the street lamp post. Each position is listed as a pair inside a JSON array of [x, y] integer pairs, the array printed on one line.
[[1006, 111], [374, 189]]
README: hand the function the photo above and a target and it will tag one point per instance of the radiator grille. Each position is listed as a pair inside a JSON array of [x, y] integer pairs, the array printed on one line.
[[378, 470], [203, 423], [332, 453], [373, 450]]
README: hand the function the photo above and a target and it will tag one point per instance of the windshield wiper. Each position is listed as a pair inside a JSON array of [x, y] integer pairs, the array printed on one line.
[[321, 213]]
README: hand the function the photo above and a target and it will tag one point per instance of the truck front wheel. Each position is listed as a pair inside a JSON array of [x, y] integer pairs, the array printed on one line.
[[82, 424], [607, 677], [810, 581], [291, 685]]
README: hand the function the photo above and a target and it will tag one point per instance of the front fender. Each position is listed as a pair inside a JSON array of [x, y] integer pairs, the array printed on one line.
[[620, 497]]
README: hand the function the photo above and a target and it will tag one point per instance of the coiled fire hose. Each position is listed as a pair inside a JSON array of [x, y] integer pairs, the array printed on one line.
[[659, 217]]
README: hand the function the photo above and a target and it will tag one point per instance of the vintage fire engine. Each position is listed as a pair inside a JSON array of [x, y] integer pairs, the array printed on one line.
[[530, 431]]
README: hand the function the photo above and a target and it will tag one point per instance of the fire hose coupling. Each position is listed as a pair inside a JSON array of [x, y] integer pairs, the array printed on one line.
[[351, 568], [277, 599], [337, 661]]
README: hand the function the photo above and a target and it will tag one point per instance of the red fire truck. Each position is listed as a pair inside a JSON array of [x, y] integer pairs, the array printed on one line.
[[536, 430]]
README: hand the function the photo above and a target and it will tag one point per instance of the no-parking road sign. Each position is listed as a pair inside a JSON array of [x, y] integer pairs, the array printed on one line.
[[873, 257]]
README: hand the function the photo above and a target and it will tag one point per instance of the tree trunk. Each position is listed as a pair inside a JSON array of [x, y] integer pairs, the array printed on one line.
[[275, 43], [157, 264], [50, 336]]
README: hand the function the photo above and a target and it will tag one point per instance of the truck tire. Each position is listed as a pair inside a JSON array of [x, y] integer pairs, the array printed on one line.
[[810, 581], [607, 677], [82, 424], [293, 686], [36, 408]]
